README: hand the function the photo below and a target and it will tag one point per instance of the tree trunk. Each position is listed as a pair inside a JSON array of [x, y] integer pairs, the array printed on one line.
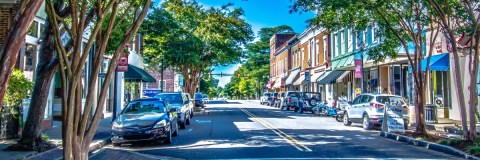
[[46, 68], [473, 88], [14, 39]]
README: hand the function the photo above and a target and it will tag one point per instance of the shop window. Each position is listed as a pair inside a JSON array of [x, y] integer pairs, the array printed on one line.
[[33, 30]]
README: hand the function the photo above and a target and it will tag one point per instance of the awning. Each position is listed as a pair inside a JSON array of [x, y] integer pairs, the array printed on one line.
[[292, 76], [278, 83], [341, 77], [299, 81], [329, 77], [315, 76], [438, 62], [135, 73]]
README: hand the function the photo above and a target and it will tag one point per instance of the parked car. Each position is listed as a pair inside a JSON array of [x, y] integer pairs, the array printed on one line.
[[290, 100], [205, 98], [179, 101], [278, 100], [190, 102], [265, 98], [199, 100], [368, 109], [147, 119], [307, 101], [273, 98]]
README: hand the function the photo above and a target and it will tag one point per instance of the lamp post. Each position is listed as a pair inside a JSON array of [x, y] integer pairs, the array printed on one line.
[[362, 46]]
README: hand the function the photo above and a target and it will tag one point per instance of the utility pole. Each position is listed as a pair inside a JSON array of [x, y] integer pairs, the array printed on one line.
[[161, 75]]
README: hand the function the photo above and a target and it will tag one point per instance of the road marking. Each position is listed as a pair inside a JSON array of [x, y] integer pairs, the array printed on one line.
[[289, 139]]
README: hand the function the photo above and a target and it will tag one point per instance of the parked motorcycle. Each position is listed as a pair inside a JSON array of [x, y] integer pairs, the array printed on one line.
[[324, 109], [339, 116]]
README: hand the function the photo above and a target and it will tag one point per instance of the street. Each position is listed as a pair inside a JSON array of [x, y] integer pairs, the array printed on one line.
[[246, 129]]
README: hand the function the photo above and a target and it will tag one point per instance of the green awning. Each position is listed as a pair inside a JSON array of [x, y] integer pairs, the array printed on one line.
[[135, 73]]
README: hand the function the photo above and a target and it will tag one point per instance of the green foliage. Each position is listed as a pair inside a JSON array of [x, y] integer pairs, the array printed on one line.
[[208, 85], [186, 34], [257, 65], [18, 88], [45, 137]]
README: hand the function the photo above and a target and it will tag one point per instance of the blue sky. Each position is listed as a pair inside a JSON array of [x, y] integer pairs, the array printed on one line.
[[260, 14]]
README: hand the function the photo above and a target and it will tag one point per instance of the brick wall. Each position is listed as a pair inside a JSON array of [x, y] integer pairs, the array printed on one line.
[[168, 77], [6, 18]]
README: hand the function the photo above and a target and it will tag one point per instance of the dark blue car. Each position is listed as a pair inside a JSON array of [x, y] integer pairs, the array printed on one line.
[[147, 119]]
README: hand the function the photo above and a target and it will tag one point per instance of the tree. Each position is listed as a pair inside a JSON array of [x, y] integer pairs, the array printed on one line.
[[13, 41], [459, 20], [257, 63], [194, 38], [47, 66], [79, 127], [404, 22]]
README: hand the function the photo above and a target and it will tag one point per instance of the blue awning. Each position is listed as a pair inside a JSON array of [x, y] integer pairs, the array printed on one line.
[[329, 77], [438, 62]]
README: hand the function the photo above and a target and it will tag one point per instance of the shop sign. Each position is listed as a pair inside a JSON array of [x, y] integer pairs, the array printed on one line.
[[393, 119], [150, 92], [307, 77], [358, 91], [358, 68], [180, 80], [123, 63]]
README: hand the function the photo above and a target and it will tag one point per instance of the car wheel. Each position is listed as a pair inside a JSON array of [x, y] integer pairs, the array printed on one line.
[[346, 120], [168, 139], [182, 125], [176, 130], [187, 121], [366, 124]]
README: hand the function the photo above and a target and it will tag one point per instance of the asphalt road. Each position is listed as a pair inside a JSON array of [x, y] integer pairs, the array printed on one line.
[[248, 130]]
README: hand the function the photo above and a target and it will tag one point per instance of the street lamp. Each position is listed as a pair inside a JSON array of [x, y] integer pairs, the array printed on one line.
[[309, 70]]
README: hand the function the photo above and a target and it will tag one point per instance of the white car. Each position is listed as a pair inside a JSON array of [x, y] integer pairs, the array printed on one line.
[[368, 109]]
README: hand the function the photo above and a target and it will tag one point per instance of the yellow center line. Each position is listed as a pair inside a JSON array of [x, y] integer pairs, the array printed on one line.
[[292, 141]]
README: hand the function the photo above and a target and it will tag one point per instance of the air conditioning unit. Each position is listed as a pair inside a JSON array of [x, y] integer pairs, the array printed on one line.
[[8, 1]]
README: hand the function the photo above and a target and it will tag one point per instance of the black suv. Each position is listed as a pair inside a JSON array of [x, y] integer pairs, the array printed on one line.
[[199, 100], [307, 101]]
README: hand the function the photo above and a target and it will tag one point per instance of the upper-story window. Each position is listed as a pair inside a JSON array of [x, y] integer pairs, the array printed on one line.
[[325, 49], [317, 52], [303, 57], [335, 45], [374, 33], [350, 41], [342, 42], [33, 30]]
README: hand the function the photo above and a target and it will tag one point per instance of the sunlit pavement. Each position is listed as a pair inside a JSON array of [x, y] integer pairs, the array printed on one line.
[[248, 130]]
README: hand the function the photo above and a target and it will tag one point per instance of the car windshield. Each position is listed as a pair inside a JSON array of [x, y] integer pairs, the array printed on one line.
[[198, 96], [170, 98], [393, 100], [144, 107], [311, 95]]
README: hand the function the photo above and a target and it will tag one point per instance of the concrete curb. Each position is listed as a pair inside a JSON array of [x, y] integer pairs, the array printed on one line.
[[96, 145], [428, 145]]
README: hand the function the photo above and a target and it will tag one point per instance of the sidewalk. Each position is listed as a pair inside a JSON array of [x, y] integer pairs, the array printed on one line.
[[102, 136]]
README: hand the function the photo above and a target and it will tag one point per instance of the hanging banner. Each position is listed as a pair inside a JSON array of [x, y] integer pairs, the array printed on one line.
[[123, 63], [307, 77], [358, 68]]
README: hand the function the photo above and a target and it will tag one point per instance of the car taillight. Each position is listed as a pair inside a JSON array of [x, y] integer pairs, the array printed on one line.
[[289, 99], [405, 107], [375, 105]]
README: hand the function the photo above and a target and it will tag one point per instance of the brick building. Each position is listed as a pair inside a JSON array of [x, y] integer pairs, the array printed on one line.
[[168, 80]]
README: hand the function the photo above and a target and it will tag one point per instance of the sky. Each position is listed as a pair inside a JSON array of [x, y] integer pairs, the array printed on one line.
[[261, 14]]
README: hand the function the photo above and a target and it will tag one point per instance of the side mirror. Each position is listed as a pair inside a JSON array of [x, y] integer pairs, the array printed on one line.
[[173, 110]]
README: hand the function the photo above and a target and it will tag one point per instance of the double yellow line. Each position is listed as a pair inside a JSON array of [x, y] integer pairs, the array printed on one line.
[[292, 141]]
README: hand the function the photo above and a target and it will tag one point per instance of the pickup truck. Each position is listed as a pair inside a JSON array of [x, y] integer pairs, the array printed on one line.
[[290, 100]]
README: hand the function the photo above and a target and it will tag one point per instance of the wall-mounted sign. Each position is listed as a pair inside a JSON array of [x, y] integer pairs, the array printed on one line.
[[307, 77], [358, 68], [123, 63]]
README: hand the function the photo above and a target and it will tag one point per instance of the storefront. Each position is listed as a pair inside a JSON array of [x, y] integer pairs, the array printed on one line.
[[294, 75]]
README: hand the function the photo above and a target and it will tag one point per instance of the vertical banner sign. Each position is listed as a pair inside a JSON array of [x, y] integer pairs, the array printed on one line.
[[180, 80], [123, 63], [307, 77], [358, 65]]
